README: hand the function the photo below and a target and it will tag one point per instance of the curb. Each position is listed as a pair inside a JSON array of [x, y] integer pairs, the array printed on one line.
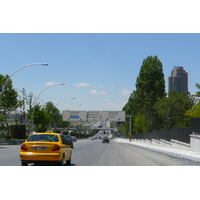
[[10, 142], [188, 155]]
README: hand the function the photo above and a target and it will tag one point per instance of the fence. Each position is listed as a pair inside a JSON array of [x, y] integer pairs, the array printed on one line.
[[176, 133]]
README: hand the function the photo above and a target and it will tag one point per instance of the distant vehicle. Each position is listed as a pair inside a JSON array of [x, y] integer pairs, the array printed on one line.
[[118, 134], [74, 138], [45, 147], [69, 140], [105, 140]]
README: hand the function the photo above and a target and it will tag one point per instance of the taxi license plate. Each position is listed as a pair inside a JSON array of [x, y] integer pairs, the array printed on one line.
[[39, 148]]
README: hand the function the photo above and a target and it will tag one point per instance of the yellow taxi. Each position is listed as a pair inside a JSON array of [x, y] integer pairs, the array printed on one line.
[[45, 147]]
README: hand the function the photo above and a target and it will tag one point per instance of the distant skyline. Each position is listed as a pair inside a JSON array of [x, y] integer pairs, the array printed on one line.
[[99, 70]]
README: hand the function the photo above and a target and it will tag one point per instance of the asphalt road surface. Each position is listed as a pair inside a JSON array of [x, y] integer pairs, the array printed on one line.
[[95, 153]]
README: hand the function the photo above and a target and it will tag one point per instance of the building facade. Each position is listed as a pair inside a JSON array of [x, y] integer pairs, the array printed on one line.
[[178, 80]]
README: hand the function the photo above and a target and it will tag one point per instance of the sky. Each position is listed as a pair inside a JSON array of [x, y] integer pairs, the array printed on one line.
[[98, 69]]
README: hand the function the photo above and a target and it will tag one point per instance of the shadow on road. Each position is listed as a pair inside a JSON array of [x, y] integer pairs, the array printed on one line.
[[49, 164], [1, 147]]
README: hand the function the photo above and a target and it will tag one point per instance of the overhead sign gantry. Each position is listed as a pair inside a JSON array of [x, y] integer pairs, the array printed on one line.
[[74, 115], [113, 116]]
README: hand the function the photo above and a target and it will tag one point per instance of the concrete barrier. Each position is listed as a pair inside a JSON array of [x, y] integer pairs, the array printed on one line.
[[11, 142], [195, 142]]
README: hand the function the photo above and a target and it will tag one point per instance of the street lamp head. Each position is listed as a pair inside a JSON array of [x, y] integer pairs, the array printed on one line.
[[62, 84], [45, 64]]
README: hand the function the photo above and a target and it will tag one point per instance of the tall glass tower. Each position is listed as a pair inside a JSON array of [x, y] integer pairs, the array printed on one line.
[[178, 80]]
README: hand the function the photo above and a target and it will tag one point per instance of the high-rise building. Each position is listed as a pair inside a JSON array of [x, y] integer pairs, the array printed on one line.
[[178, 80]]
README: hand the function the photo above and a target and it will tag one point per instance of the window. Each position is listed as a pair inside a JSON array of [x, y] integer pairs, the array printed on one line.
[[64, 141], [43, 137]]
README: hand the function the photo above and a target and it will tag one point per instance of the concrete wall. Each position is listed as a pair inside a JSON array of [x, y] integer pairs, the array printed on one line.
[[195, 142]]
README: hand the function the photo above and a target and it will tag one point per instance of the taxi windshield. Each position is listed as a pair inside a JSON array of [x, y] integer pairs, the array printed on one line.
[[43, 137]]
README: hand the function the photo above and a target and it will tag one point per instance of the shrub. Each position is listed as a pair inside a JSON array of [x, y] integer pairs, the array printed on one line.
[[7, 137]]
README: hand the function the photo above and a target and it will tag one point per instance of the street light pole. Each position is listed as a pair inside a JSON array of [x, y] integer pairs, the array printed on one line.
[[130, 127], [46, 89], [37, 100], [64, 100], [57, 105], [44, 64]]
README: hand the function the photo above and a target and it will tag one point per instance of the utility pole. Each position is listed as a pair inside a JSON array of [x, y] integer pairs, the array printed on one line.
[[130, 127]]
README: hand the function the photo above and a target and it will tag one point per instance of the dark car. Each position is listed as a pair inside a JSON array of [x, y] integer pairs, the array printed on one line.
[[105, 140], [74, 138], [69, 140]]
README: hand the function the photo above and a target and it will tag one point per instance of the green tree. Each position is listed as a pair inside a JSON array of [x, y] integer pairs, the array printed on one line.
[[172, 109], [52, 111], [195, 111], [8, 98], [41, 118], [150, 86], [140, 124], [198, 92]]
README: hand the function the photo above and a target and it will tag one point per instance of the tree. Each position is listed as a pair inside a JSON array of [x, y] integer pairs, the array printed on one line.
[[172, 109], [195, 111], [8, 98], [140, 124], [41, 118], [52, 111], [198, 92], [150, 86]]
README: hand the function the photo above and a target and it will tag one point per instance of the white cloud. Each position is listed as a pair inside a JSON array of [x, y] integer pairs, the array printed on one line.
[[96, 92], [82, 84], [112, 104], [125, 91], [102, 92], [50, 83], [93, 92]]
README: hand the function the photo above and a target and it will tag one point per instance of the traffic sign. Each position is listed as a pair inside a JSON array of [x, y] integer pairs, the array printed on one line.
[[113, 116], [93, 116], [74, 115]]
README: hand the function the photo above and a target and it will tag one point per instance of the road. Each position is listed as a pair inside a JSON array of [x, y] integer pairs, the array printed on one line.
[[94, 153]]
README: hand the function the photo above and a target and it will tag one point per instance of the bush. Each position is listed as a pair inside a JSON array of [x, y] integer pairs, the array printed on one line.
[[18, 131], [7, 137]]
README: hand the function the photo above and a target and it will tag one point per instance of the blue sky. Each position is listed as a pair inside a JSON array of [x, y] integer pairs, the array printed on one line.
[[99, 70]]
